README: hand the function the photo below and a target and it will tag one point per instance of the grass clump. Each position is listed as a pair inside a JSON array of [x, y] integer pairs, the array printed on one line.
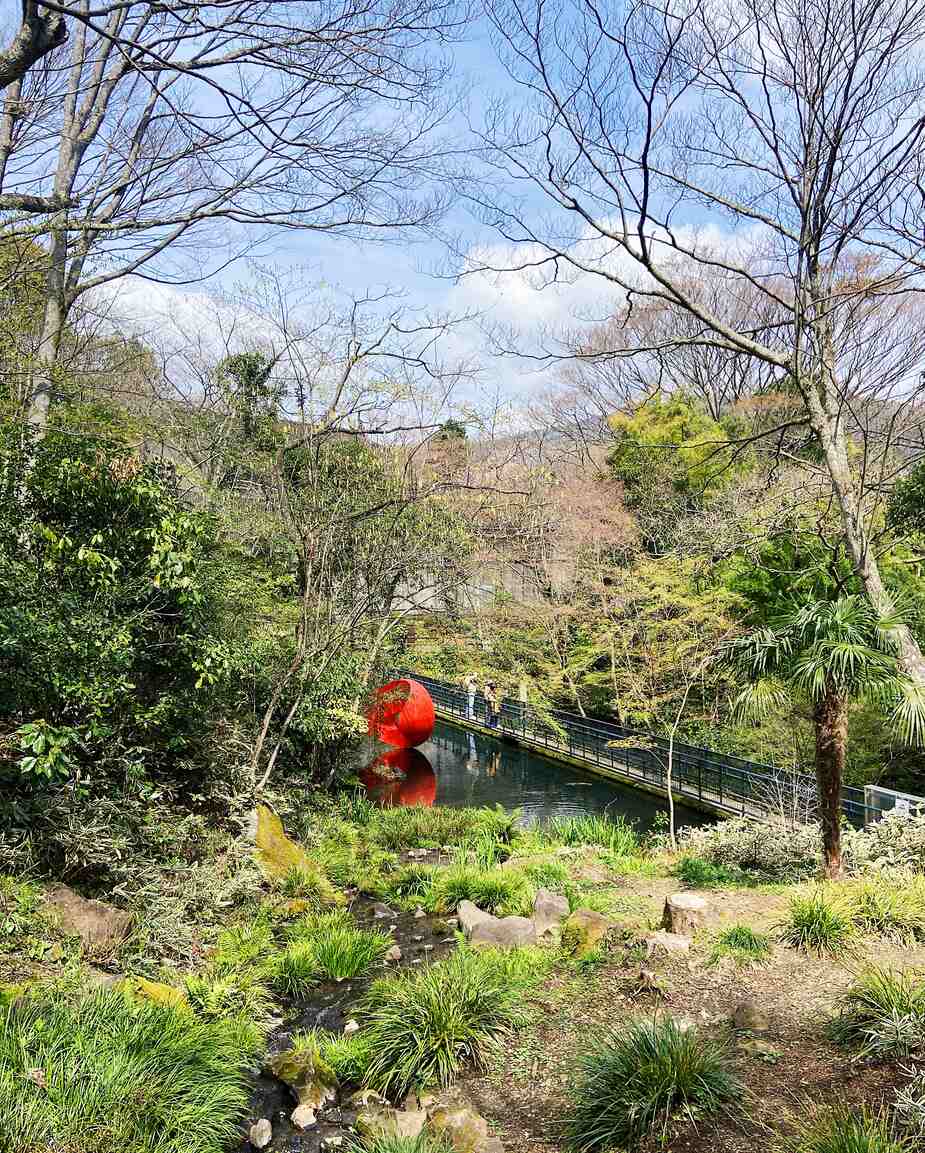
[[742, 944], [845, 1129], [106, 1074], [618, 837], [423, 1025], [893, 911], [421, 826], [549, 874], [634, 1080], [882, 1014], [412, 885], [380, 1142], [341, 1058], [819, 923], [327, 947], [504, 892], [699, 873]]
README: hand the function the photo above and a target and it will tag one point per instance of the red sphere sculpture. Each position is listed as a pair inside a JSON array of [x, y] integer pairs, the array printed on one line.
[[402, 714], [401, 777]]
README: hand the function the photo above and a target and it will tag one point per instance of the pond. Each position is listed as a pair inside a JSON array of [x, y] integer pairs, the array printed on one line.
[[457, 767]]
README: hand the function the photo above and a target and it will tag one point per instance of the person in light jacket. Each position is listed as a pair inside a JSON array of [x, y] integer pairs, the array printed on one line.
[[470, 685]]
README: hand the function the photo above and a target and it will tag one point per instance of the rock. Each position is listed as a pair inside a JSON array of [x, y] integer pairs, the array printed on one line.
[[684, 913], [503, 932], [381, 912], [100, 927], [470, 915], [665, 942], [332, 1141], [261, 1133], [312, 1082], [280, 857], [303, 1117], [747, 1015], [394, 954], [366, 1097], [584, 930], [351, 1027], [97, 979], [388, 1122], [161, 994], [549, 911], [759, 1048], [465, 1129], [419, 913]]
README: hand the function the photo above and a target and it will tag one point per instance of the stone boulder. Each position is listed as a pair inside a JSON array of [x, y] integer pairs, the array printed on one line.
[[684, 913], [384, 1121], [466, 1130], [503, 932], [584, 930], [100, 927], [665, 942], [311, 1082], [748, 1015], [470, 915], [261, 1133], [549, 911]]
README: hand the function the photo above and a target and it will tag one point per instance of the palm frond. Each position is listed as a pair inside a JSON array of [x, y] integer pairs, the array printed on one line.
[[759, 699]]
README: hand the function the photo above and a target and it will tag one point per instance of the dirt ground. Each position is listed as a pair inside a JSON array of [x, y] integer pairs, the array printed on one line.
[[525, 1094]]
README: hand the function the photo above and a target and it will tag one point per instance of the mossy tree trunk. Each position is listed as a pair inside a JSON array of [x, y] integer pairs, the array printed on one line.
[[830, 717]]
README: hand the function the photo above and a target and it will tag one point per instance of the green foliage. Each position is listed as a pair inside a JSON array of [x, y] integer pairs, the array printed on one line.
[[844, 1129], [347, 1055], [820, 922], [882, 1014], [424, 1025], [549, 874], [839, 646], [327, 947], [420, 826], [890, 910], [426, 1142], [635, 1079], [742, 944], [698, 873], [103, 1075], [668, 444], [771, 849], [906, 508], [505, 892], [619, 837]]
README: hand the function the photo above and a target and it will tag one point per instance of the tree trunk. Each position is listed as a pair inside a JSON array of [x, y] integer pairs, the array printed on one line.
[[826, 422], [830, 717]]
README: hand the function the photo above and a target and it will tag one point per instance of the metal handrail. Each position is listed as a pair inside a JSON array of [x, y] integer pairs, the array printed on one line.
[[725, 782]]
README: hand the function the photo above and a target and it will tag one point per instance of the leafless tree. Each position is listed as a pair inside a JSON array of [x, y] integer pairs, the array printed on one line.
[[776, 144], [160, 132]]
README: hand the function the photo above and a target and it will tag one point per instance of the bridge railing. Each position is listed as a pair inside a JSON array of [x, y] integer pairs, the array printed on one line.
[[721, 780]]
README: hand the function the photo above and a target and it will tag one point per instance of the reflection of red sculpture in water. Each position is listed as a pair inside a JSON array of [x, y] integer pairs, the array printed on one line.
[[416, 784], [402, 714]]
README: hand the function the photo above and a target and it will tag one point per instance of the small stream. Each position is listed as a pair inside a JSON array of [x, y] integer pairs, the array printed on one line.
[[457, 767]]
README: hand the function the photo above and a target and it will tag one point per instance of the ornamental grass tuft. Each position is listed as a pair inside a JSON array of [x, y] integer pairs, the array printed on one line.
[[882, 1014], [819, 923], [106, 1074], [633, 1081], [845, 1129], [423, 1025]]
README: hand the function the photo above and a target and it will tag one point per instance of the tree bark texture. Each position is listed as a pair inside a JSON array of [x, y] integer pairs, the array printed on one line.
[[830, 717]]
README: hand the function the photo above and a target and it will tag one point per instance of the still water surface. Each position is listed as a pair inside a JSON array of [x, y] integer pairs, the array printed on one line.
[[456, 767]]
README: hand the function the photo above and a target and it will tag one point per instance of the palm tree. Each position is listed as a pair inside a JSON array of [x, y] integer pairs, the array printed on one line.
[[834, 651]]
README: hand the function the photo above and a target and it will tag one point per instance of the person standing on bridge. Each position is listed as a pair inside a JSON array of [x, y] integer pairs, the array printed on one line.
[[470, 685], [491, 704]]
